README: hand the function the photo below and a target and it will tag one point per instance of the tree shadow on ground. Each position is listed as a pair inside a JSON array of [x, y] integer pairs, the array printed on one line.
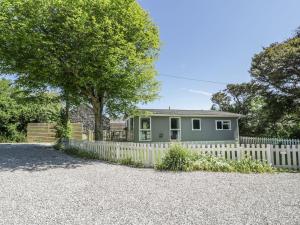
[[35, 157]]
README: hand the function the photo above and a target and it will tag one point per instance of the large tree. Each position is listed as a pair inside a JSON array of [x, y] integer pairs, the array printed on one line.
[[102, 51], [270, 102], [244, 99], [265, 114], [277, 68]]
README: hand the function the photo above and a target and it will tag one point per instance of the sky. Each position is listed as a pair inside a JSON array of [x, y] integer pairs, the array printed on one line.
[[213, 40]]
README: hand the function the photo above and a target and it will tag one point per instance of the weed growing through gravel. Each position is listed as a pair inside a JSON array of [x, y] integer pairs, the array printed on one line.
[[181, 159]]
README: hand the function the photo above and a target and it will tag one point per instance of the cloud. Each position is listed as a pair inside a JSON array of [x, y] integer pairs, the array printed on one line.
[[200, 92]]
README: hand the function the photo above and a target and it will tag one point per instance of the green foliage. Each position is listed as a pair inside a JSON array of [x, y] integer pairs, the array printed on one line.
[[102, 52], [18, 108], [177, 159], [127, 161], [63, 131], [271, 101], [180, 159], [81, 154], [277, 68], [247, 165], [130, 162], [91, 155]]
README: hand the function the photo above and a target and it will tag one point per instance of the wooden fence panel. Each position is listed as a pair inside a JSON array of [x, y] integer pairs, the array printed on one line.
[[46, 133]]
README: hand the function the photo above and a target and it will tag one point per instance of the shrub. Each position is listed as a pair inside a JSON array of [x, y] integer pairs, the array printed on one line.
[[177, 159], [63, 131], [81, 154], [181, 159], [248, 165], [212, 163]]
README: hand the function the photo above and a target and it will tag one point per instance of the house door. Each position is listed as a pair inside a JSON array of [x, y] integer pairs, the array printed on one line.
[[175, 129]]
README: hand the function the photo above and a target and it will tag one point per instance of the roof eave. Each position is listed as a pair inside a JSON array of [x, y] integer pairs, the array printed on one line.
[[198, 115]]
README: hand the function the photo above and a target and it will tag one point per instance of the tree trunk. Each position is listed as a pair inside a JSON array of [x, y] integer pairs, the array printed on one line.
[[98, 113]]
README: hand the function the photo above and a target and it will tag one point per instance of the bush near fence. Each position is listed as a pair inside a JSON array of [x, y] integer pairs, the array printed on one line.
[[151, 154]]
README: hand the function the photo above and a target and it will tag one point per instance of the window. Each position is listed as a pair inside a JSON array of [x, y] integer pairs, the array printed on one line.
[[196, 124], [175, 129], [145, 129], [223, 124]]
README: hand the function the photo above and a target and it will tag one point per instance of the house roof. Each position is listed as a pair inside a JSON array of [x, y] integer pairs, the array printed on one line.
[[183, 112]]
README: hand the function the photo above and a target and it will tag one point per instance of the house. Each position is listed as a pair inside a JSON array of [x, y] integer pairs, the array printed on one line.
[[116, 131], [164, 125]]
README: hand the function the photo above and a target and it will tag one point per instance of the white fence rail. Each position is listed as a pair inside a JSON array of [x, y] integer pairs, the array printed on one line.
[[272, 141], [151, 154]]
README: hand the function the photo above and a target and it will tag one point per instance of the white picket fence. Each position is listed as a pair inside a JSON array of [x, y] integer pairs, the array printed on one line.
[[151, 154], [272, 141]]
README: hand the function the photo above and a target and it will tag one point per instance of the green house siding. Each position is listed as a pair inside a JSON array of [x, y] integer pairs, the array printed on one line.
[[160, 129], [208, 130]]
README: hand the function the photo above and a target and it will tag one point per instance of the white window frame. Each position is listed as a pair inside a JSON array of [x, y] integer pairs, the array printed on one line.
[[179, 121], [193, 124], [140, 118], [216, 123]]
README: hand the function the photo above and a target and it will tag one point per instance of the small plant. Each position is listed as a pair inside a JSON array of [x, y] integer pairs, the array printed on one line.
[[63, 129], [247, 165], [81, 154], [130, 162], [177, 159], [211, 163], [58, 146], [127, 161]]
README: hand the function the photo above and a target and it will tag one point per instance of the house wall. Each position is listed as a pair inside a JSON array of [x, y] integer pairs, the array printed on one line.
[[208, 130], [160, 129]]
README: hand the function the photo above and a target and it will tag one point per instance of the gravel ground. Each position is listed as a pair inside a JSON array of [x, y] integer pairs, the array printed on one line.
[[39, 186]]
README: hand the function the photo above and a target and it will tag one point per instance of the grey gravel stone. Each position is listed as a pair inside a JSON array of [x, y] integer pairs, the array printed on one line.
[[39, 186]]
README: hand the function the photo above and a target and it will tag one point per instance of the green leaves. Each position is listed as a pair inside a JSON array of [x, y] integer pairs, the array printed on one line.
[[270, 101], [17, 109], [277, 68], [99, 51]]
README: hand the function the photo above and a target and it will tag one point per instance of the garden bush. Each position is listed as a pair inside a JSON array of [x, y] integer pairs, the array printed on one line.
[[177, 159], [180, 159]]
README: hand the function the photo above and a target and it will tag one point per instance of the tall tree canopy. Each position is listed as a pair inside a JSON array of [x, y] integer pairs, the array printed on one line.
[[277, 68], [102, 51], [271, 101]]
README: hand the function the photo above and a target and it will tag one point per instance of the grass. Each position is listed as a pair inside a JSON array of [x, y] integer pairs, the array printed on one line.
[[128, 161], [81, 154], [181, 159]]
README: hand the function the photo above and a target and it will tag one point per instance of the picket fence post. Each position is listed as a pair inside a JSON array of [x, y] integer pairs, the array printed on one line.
[[117, 152], [269, 154]]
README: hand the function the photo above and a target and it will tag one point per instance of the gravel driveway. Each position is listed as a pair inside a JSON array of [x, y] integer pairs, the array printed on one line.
[[40, 186]]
